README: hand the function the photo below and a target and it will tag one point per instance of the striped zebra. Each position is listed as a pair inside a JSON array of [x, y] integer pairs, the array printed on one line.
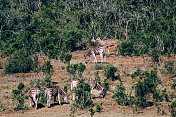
[[56, 92], [34, 94], [93, 84], [106, 43], [98, 50]]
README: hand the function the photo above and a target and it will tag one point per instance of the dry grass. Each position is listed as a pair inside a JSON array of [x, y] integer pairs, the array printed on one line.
[[125, 65]]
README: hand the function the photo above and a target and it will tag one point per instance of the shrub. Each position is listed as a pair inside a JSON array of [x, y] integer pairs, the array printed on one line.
[[0, 65], [137, 73], [92, 112], [99, 107], [71, 69], [126, 48], [76, 69], [110, 72], [173, 110], [147, 86], [169, 65], [173, 85], [47, 68], [66, 58], [105, 85], [20, 62], [81, 68], [119, 94], [84, 96], [19, 97], [99, 67], [155, 55]]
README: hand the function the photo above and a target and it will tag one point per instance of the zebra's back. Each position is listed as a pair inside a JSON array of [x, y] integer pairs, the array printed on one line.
[[34, 92]]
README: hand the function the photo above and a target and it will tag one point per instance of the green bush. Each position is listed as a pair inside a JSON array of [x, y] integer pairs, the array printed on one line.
[[169, 66], [172, 107], [47, 68], [155, 55], [173, 86], [66, 58], [18, 96], [110, 72], [84, 96], [120, 95], [99, 107], [20, 62], [76, 69], [92, 112], [145, 86], [126, 48]]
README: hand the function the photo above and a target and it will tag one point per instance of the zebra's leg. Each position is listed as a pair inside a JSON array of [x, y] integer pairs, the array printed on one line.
[[48, 100], [108, 50], [104, 56], [74, 95], [95, 59], [36, 102], [54, 99], [101, 56], [91, 92], [30, 102], [59, 99]]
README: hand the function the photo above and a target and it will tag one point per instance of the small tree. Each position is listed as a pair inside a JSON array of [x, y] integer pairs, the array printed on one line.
[[110, 72], [84, 96], [119, 94], [19, 97]]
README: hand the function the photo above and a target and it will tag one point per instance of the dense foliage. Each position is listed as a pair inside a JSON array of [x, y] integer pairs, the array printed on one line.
[[56, 27], [19, 62]]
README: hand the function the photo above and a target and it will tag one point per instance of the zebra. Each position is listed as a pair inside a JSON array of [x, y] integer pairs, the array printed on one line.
[[106, 43], [56, 92], [34, 94], [95, 51], [93, 84]]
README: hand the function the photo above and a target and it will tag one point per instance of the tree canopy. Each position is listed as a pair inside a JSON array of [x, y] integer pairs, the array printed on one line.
[[58, 26]]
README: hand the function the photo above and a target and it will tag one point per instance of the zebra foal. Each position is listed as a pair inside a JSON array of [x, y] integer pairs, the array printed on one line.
[[34, 94]]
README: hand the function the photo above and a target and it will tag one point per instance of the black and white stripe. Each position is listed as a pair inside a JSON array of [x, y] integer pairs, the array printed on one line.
[[95, 85], [34, 94], [56, 92], [98, 50]]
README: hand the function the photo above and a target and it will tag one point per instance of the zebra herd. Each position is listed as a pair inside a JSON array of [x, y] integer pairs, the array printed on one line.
[[34, 93], [100, 49]]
